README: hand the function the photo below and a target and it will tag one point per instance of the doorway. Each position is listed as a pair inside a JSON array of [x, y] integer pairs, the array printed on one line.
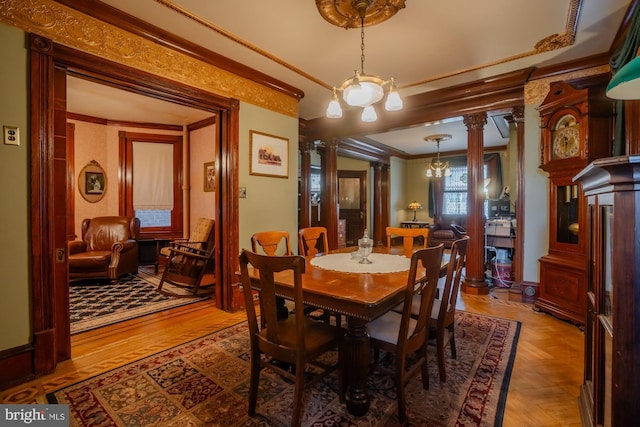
[[50, 65], [352, 199]]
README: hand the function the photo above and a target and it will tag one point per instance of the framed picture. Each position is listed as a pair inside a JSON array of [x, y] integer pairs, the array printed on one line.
[[269, 155], [210, 176], [92, 182]]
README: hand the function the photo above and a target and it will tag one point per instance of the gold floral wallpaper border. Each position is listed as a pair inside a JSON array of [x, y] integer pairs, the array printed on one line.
[[76, 30], [536, 90]]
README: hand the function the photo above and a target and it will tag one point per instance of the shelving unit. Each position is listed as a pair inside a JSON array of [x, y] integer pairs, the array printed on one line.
[[499, 244]]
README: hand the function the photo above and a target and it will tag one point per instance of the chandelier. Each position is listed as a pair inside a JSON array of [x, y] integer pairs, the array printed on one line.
[[438, 168], [363, 90]]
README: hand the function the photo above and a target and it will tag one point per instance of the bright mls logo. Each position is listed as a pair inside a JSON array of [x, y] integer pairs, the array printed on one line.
[[38, 415]]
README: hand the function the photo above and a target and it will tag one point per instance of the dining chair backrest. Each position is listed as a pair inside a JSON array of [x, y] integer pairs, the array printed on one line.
[[405, 335], [409, 237], [312, 240], [422, 283], [266, 266], [294, 340], [444, 309], [271, 243], [452, 281]]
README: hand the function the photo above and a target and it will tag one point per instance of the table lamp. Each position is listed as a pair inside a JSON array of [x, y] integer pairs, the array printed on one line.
[[414, 206]]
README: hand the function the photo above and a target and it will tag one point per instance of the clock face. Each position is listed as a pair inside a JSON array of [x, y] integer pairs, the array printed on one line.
[[566, 138]]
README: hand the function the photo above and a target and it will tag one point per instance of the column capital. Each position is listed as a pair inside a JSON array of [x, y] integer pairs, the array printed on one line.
[[518, 115], [475, 121], [306, 146]]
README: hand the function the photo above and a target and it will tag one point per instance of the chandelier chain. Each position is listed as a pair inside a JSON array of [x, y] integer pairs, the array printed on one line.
[[362, 43]]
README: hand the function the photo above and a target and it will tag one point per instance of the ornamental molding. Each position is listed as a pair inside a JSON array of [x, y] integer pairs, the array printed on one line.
[[344, 14], [536, 90], [71, 28]]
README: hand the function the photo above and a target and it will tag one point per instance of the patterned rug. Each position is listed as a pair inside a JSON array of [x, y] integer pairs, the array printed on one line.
[[205, 383], [94, 304]]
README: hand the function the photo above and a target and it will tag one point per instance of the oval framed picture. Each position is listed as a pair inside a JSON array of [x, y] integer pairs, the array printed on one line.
[[92, 182]]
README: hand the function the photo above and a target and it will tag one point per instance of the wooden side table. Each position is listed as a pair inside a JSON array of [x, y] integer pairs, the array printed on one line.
[[414, 224]]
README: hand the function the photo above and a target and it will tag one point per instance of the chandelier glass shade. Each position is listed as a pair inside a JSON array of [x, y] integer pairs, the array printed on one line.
[[363, 90], [437, 168]]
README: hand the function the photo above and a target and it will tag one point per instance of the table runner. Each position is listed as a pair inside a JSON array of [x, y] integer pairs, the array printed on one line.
[[346, 263]]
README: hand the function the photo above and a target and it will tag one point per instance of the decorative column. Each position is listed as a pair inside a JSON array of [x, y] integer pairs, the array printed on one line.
[[475, 281], [380, 202], [304, 202], [329, 193], [518, 119]]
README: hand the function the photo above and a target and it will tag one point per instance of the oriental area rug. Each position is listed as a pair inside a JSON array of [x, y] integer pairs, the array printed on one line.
[[94, 304], [205, 383]]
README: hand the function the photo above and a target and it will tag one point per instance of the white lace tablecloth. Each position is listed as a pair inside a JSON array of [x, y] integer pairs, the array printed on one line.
[[380, 263]]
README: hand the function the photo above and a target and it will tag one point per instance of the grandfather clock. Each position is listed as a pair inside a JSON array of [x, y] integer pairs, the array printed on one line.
[[576, 128]]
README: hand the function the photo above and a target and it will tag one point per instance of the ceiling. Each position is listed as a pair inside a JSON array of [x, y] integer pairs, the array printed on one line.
[[427, 45]]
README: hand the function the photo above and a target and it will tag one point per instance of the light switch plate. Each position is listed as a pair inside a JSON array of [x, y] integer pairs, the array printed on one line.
[[11, 135], [243, 192]]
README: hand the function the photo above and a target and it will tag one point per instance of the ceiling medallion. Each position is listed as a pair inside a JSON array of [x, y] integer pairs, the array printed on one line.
[[344, 13]]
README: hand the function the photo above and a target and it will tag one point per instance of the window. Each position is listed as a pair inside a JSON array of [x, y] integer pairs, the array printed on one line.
[[152, 166], [455, 191]]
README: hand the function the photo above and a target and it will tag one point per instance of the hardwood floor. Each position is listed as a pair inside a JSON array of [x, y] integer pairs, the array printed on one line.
[[543, 390]]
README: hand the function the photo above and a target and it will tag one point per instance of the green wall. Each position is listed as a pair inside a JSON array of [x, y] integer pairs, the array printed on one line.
[[271, 203], [15, 289]]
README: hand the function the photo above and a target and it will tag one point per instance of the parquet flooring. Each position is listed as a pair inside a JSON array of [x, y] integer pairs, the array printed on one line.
[[543, 390]]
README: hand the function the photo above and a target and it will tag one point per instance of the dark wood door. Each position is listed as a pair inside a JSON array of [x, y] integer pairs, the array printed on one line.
[[352, 196]]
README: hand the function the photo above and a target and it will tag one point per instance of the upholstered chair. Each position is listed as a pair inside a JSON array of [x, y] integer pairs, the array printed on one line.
[[108, 249]]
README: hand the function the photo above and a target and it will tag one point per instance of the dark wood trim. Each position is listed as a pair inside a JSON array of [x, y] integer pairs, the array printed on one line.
[[125, 181], [41, 158], [571, 66], [211, 121], [58, 225], [87, 118], [16, 366], [518, 119], [133, 25], [227, 204], [49, 165], [495, 93], [124, 123], [71, 181]]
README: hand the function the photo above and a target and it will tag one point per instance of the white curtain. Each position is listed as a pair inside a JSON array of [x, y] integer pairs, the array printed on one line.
[[152, 176]]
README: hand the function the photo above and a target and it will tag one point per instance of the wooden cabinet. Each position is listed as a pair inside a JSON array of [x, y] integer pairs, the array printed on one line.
[[576, 128], [610, 393]]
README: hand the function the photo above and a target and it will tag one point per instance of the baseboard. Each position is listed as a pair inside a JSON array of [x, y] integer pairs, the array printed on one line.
[[16, 366]]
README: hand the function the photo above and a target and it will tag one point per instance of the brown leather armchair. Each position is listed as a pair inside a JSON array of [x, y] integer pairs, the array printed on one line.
[[108, 248], [447, 234]]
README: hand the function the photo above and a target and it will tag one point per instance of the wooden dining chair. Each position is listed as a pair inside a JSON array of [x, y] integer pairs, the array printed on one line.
[[311, 242], [296, 340], [403, 335], [410, 237], [442, 320], [271, 242]]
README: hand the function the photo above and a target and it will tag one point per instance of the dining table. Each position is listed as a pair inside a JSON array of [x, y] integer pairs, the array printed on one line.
[[338, 282]]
